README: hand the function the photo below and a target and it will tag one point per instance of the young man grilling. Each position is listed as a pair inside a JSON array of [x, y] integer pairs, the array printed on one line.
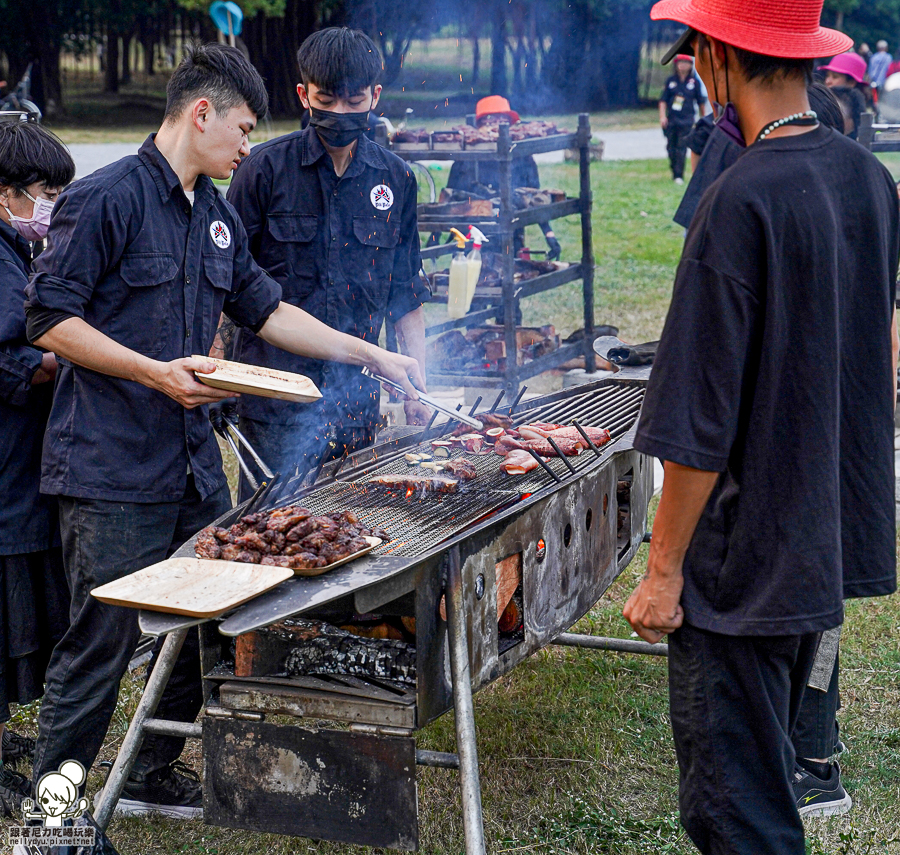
[[332, 217], [143, 257], [771, 402]]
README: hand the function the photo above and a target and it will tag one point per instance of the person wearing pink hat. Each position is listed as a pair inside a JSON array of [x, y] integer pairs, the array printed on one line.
[[846, 69], [778, 498]]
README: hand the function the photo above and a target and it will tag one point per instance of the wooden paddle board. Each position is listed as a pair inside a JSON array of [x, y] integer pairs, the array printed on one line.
[[256, 380], [196, 587]]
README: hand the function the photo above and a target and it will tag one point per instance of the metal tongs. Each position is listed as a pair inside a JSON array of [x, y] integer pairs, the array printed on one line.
[[225, 427], [428, 401]]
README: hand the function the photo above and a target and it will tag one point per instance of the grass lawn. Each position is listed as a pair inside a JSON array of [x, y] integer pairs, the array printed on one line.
[[575, 747]]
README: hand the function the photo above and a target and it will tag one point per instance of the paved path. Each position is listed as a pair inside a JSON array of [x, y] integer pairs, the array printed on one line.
[[646, 144]]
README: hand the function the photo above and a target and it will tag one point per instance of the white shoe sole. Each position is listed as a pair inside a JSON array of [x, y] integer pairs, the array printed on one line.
[[129, 807], [834, 808]]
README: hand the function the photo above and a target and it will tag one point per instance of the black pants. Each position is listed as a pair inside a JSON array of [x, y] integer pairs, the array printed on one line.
[[677, 140], [733, 703], [815, 733], [103, 541]]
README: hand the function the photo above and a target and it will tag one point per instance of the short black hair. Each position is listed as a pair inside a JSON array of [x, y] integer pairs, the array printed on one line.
[[766, 68], [29, 154], [220, 73], [853, 103], [340, 61], [824, 103]]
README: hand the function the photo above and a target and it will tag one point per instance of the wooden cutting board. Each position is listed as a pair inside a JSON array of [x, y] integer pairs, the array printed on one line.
[[257, 380], [196, 587]]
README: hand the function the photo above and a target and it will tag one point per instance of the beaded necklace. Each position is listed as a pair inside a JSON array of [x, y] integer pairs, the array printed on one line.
[[808, 117]]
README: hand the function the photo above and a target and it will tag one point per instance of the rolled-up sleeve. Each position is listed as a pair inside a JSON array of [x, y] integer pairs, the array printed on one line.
[[254, 294], [86, 236], [408, 288]]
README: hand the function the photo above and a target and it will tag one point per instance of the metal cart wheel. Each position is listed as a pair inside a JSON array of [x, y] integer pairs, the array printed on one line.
[[427, 191]]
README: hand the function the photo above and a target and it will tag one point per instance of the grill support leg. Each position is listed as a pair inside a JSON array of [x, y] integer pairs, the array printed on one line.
[[135, 736], [464, 712]]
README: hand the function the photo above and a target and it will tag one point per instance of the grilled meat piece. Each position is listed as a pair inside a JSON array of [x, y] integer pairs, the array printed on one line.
[[436, 484], [207, 546], [252, 540], [538, 430], [518, 462], [505, 444], [286, 518], [461, 469], [221, 534], [231, 552], [598, 436], [381, 534], [299, 531], [569, 447], [492, 420]]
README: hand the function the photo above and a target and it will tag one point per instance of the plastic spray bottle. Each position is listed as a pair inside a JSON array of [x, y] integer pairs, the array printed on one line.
[[459, 278], [474, 263]]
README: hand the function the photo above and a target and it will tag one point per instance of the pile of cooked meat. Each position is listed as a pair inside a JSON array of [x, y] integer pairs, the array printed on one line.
[[288, 537]]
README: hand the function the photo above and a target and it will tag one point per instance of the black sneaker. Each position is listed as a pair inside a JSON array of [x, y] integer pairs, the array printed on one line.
[[15, 747], [817, 797], [14, 789], [174, 791]]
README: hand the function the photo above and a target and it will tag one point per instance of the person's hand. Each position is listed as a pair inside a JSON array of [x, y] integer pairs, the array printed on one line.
[[47, 371], [654, 608], [220, 410], [401, 369], [417, 413], [554, 247], [176, 379], [664, 122]]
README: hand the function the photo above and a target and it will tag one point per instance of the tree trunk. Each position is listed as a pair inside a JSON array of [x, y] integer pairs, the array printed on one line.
[[499, 85], [111, 80], [476, 60], [839, 20]]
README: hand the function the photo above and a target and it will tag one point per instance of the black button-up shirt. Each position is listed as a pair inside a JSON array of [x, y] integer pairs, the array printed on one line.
[[27, 519], [345, 249], [681, 97], [130, 256]]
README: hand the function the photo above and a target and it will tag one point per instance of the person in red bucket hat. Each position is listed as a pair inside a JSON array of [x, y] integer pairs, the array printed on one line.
[[681, 95], [778, 498]]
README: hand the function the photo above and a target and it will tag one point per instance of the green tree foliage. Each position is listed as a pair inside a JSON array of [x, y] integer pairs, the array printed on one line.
[[865, 20]]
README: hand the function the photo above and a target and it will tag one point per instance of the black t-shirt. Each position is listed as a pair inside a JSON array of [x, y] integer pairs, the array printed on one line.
[[774, 369], [700, 133], [680, 97]]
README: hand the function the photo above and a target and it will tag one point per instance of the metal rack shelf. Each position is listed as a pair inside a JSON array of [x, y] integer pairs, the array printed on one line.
[[503, 301]]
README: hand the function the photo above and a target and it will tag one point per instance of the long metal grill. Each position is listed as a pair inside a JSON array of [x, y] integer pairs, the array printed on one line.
[[417, 522]]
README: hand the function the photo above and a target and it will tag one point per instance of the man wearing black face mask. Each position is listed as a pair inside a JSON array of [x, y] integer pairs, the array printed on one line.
[[332, 217]]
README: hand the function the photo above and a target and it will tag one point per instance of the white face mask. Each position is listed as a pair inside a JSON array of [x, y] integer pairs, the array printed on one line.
[[34, 227]]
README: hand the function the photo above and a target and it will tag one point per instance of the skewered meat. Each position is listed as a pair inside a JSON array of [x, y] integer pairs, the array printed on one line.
[[569, 447], [538, 430], [492, 420], [461, 469], [506, 443], [598, 436], [416, 483], [287, 537], [518, 462]]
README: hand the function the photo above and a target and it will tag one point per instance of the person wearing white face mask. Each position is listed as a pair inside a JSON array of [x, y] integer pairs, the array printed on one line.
[[34, 167]]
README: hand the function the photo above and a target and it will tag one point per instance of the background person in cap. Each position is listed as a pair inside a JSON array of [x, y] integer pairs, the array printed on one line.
[[879, 63], [681, 94], [483, 177], [778, 499], [332, 217]]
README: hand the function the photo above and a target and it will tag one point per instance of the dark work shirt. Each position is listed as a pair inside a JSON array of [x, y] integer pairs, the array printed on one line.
[[774, 369], [345, 249], [681, 97], [718, 153], [700, 133], [27, 519], [131, 257]]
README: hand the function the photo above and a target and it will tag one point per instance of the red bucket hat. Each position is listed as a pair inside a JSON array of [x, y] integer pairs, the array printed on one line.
[[851, 64], [770, 27], [499, 105]]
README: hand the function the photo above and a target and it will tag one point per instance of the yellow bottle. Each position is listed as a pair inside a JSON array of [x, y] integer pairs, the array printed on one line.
[[459, 279]]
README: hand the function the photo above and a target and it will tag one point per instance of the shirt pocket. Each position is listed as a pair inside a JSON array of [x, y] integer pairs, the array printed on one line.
[[145, 319], [292, 256], [371, 257]]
